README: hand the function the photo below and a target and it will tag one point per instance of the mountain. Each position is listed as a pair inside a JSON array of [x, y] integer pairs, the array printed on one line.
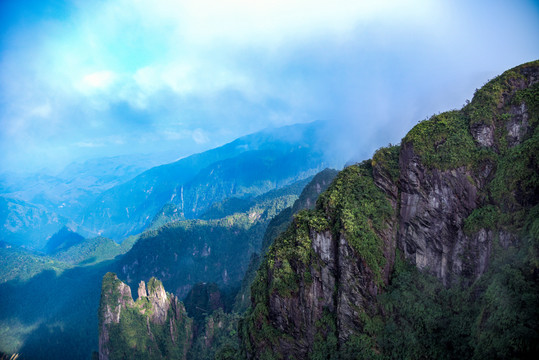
[[26, 224], [71, 189], [155, 326], [246, 167], [22, 264], [208, 304], [62, 324], [92, 251], [62, 240], [35, 206], [183, 253], [428, 250]]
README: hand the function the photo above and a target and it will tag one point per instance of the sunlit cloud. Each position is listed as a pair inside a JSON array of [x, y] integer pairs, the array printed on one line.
[[98, 80], [165, 74]]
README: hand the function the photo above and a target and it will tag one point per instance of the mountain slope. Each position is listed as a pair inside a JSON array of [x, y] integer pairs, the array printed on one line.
[[26, 224], [69, 191], [62, 241], [458, 201], [155, 326], [183, 253], [276, 226], [274, 158]]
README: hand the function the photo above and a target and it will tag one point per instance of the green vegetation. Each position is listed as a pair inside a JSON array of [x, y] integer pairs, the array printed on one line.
[[484, 106], [530, 97], [516, 181], [203, 300], [358, 209], [168, 213], [325, 342], [64, 239], [255, 329], [444, 141], [219, 339], [136, 336], [494, 318], [388, 159], [92, 251], [486, 217], [21, 264]]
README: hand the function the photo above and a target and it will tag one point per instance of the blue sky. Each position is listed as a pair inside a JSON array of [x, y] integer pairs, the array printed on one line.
[[81, 79]]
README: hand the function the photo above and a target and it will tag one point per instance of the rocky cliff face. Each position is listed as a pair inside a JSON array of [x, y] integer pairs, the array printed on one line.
[[155, 326], [434, 205], [277, 225], [437, 198], [459, 185], [322, 276]]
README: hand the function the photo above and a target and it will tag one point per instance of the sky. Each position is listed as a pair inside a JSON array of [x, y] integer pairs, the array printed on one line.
[[82, 79]]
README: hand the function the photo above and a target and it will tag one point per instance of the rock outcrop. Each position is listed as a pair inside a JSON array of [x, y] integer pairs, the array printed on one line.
[[434, 205], [460, 183], [155, 326], [322, 276], [436, 198]]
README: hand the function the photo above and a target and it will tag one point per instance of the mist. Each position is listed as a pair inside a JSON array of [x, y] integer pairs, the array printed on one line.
[[81, 80]]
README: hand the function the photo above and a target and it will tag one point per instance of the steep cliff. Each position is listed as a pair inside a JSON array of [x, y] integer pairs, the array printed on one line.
[[307, 199], [322, 275], [458, 200], [155, 326]]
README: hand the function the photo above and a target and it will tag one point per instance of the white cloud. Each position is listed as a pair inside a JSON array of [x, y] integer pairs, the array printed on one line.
[[98, 80], [200, 136], [100, 142], [273, 21], [154, 70], [43, 110]]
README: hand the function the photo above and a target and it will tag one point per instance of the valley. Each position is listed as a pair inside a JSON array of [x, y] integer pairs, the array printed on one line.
[[253, 251]]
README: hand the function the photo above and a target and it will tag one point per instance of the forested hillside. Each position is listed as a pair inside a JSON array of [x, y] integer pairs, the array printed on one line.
[[428, 250]]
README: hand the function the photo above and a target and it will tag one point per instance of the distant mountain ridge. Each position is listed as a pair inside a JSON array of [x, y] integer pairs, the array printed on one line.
[[119, 196], [246, 167], [35, 206], [26, 224]]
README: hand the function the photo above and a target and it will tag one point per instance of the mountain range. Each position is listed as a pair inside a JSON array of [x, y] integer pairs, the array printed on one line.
[[118, 197], [428, 250], [252, 251]]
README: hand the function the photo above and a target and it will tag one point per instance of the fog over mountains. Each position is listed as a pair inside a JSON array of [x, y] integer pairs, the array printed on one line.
[[270, 179], [118, 197]]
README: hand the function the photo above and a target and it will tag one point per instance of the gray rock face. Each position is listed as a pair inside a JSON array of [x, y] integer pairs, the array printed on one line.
[[142, 289], [341, 283], [388, 235], [297, 315], [357, 287], [357, 291], [434, 205], [483, 134], [156, 308], [159, 301], [115, 296], [518, 125]]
